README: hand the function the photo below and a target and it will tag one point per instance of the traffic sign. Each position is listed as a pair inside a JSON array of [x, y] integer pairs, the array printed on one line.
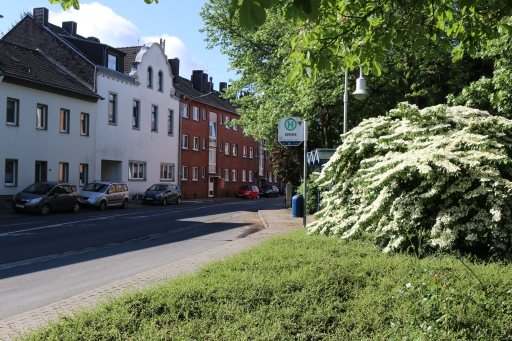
[[290, 131]]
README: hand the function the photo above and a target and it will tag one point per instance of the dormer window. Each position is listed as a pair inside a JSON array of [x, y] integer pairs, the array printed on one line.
[[150, 77], [112, 62], [160, 81]]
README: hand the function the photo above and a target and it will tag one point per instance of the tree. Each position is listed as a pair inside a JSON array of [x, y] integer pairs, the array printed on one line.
[[437, 178]]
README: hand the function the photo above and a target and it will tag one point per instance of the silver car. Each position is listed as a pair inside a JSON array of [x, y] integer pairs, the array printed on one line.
[[103, 194]]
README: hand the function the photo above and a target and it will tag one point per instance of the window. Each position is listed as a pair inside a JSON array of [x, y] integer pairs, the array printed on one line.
[[112, 108], [112, 62], [150, 77], [204, 114], [195, 173], [226, 150], [227, 122], [137, 171], [184, 141], [275, 177], [204, 143], [64, 171], [13, 111], [220, 119], [84, 124], [84, 174], [250, 176], [235, 128], [170, 122], [196, 143], [160, 81], [256, 152], [136, 114], [251, 152], [220, 146], [154, 118], [64, 121], [167, 171], [270, 176], [184, 173], [204, 172], [11, 172], [42, 117], [244, 175], [186, 113], [226, 174], [195, 114], [244, 154], [235, 149], [234, 176]]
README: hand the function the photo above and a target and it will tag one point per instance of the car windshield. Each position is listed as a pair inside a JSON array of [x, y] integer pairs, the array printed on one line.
[[157, 188], [245, 188], [38, 188], [95, 187]]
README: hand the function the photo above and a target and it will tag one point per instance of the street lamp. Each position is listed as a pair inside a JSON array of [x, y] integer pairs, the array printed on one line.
[[359, 94]]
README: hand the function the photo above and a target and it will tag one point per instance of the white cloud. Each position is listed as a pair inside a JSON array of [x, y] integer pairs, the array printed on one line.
[[174, 47], [97, 20]]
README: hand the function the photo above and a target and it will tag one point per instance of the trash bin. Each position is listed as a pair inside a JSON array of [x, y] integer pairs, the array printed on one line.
[[298, 205]]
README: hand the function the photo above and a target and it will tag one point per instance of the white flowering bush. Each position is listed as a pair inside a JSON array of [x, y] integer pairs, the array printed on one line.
[[437, 178]]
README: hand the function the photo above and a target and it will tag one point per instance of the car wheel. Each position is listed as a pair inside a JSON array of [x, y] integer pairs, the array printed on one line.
[[178, 201], [164, 202], [102, 206], [76, 207], [125, 204], [45, 209], [257, 196]]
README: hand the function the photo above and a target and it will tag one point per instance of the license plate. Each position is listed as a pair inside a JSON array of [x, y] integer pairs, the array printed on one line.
[[20, 206], [149, 199], [240, 195]]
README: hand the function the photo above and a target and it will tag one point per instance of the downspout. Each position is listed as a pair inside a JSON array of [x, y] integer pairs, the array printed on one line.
[[179, 140]]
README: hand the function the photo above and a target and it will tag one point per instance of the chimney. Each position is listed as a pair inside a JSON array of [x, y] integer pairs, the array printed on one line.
[[210, 84], [205, 87], [162, 44], [198, 79], [70, 27], [175, 67], [41, 16], [222, 86], [94, 39]]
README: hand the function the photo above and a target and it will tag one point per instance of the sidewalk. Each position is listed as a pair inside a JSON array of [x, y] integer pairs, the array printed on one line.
[[275, 222]]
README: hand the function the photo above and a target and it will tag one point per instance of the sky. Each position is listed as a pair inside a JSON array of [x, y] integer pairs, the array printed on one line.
[[122, 23]]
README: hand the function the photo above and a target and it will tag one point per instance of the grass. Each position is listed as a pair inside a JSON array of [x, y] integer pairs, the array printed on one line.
[[299, 287]]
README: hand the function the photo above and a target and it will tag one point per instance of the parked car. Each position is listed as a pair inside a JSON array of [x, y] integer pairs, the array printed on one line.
[[269, 191], [162, 194], [247, 191], [44, 197], [103, 194]]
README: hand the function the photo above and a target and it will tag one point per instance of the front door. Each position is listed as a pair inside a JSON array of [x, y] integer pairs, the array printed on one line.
[[40, 171], [211, 183]]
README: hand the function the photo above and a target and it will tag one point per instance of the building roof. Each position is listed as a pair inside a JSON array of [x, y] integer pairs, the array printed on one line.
[[185, 88], [33, 66], [131, 53]]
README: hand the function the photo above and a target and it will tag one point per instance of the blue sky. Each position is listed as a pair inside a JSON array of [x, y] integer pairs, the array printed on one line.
[[123, 23]]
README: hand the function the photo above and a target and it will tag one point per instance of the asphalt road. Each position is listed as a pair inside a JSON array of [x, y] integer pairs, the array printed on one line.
[[46, 259]]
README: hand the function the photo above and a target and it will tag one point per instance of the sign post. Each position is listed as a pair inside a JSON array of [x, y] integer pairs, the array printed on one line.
[[291, 132]]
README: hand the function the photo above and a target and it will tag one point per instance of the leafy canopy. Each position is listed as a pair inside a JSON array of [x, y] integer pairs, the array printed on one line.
[[437, 178]]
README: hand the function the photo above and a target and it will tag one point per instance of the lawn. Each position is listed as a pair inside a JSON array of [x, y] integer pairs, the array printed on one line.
[[300, 287]]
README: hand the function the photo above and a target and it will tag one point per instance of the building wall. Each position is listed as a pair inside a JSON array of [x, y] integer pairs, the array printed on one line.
[[120, 144], [27, 144]]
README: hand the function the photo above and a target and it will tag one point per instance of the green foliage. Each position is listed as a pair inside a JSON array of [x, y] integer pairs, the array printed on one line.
[[437, 178], [285, 163], [300, 287], [312, 193]]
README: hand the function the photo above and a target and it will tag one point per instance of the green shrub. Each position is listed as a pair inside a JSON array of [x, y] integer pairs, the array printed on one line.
[[437, 178], [312, 193]]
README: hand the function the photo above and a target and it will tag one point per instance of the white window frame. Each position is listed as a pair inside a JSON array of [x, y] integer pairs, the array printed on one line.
[[250, 176], [196, 143], [83, 176], [11, 178], [234, 175], [150, 77], [184, 172], [84, 124], [186, 111], [154, 118], [64, 121], [204, 172], [41, 117], [136, 114], [16, 112], [270, 176], [221, 146], [220, 119], [226, 148], [244, 151], [235, 149], [195, 113], [160, 81], [226, 122], [204, 114], [137, 170], [244, 175], [235, 127], [195, 173], [204, 143], [167, 171], [63, 171], [170, 122], [112, 108], [184, 141], [251, 152], [226, 174]]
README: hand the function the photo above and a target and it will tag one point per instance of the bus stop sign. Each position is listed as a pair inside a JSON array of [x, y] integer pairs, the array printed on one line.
[[290, 131]]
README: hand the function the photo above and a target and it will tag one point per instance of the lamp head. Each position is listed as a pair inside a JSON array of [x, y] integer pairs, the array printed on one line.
[[361, 92]]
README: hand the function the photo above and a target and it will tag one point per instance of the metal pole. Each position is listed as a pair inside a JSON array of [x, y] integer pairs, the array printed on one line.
[[305, 170], [345, 105]]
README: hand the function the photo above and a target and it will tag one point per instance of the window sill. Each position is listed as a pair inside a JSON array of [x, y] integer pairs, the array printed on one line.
[[132, 179], [135, 128], [112, 123], [10, 185]]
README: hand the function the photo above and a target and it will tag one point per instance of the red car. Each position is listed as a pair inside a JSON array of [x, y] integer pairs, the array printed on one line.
[[249, 192]]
